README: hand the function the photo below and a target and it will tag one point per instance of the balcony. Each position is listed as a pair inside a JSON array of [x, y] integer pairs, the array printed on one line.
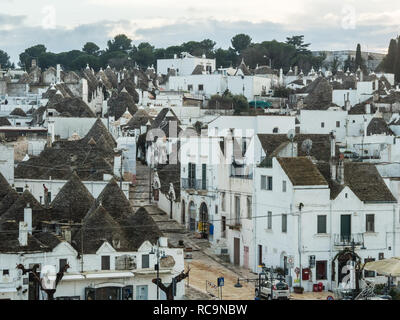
[[196, 184], [241, 172], [348, 240]]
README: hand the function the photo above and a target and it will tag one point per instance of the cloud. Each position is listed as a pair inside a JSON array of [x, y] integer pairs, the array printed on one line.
[[322, 27]]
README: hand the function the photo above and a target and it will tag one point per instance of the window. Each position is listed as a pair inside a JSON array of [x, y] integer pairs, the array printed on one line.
[[249, 207], [269, 186], [223, 226], [6, 272], [370, 223], [284, 186], [105, 262], [321, 221], [216, 209], [284, 223], [237, 209], [192, 175], [322, 124], [337, 124], [145, 261], [321, 270], [19, 190], [62, 263], [275, 130], [263, 182], [190, 87], [223, 201], [369, 274], [269, 220], [201, 87], [266, 183], [260, 259]]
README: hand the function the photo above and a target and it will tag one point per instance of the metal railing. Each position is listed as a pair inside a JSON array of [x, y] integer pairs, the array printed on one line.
[[197, 184], [349, 239], [241, 172]]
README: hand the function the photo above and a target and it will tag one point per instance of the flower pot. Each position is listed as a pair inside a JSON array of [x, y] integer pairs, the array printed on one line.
[[298, 290]]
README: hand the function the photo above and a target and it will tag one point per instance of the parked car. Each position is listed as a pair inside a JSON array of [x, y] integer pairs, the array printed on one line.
[[279, 290]]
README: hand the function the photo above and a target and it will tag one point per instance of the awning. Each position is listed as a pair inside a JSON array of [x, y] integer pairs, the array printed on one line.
[[73, 277], [260, 104], [109, 275], [5, 290], [387, 267]]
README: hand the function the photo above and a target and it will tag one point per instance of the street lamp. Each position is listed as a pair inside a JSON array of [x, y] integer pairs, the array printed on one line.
[[159, 254]]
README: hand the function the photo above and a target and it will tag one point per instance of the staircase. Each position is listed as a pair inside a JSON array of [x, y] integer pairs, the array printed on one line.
[[139, 193], [139, 197]]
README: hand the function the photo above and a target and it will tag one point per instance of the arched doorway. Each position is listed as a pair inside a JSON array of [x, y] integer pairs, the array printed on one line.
[[192, 216], [183, 213], [203, 223]]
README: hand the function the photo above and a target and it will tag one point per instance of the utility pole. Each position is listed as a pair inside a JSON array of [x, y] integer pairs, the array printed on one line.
[[299, 240]]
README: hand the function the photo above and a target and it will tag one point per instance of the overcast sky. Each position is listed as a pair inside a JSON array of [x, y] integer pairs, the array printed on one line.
[[67, 24]]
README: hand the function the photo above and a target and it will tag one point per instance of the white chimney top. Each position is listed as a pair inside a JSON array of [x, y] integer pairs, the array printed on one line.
[[28, 217], [23, 234]]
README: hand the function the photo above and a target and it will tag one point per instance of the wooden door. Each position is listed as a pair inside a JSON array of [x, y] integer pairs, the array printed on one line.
[[345, 227], [236, 250]]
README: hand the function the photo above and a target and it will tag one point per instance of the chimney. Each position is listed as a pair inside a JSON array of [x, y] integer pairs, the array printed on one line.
[[66, 232], [23, 234], [175, 56], [28, 217], [296, 70], [58, 76], [33, 63], [340, 174], [347, 102], [368, 108], [333, 144]]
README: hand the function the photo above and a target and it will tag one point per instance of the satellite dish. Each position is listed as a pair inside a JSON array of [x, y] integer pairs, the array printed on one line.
[[306, 146], [291, 134], [157, 92]]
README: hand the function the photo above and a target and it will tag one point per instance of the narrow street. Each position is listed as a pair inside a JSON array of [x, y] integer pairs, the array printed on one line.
[[205, 265]]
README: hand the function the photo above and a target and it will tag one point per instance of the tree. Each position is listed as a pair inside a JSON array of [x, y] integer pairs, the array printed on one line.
[[91, 48], [5, 60], [36, 276], [120, 43], [335, 65], [298, 43], [240, 104], [349, 64], [144, 55], [25, 58], [397, 63], [240, 42], [359, 62], [169, 291], [390, 59], [225, 58]]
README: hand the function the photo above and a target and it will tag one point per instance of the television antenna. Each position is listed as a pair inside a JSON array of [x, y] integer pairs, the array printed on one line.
[[306, 146], [291, 134]]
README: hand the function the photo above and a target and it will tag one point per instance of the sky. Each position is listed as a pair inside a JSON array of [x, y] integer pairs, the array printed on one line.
[[66, 25]]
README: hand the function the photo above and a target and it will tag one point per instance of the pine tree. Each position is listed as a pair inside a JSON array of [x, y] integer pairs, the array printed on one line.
[[359, 62], [390, 59], [397, 63]]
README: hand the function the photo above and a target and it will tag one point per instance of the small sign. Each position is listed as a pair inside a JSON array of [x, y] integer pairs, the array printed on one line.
[[220, 282]]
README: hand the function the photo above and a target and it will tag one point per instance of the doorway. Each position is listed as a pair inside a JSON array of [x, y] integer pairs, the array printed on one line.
[[236, 250], [183, 213], [345, 228]]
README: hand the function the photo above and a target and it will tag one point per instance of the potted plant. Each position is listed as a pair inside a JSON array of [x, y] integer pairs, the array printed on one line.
[[298, 289]]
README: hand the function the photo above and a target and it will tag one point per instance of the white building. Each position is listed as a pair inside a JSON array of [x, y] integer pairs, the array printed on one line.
[[185, 64]]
